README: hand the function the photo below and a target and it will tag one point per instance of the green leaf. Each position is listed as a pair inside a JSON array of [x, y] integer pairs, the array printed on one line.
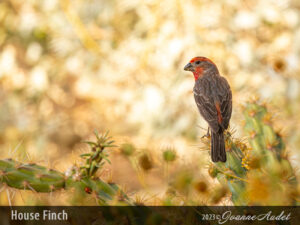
[[85, 155], [107, 160], [90, 143]]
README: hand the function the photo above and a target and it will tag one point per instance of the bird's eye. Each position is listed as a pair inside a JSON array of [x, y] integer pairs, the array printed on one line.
[[198, 62]]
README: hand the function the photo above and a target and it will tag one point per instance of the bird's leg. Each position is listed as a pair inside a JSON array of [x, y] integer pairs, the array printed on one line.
[[207, 135]]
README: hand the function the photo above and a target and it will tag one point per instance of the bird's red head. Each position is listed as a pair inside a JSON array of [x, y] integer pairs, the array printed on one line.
[[198, 65]]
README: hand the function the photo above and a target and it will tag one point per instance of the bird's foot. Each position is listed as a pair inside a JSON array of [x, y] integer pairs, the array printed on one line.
[[207, 135]]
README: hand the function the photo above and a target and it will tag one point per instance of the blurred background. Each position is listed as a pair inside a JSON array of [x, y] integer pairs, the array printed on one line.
[[69, 67]]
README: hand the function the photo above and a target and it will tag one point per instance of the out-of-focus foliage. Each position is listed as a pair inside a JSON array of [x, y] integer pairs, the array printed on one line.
[[68, 67]]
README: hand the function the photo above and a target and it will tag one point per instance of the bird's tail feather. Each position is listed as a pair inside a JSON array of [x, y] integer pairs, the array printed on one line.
[[218, 152]]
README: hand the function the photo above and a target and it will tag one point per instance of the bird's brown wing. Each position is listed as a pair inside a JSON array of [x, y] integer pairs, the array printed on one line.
[[205, 103], [214, 101], [225, 99]]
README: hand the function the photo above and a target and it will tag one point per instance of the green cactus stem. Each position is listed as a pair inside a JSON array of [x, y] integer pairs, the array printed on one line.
[[30, 176], [252, 172], [37, 178]]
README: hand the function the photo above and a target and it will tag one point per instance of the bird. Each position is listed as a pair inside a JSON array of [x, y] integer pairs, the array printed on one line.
[[213, 98]]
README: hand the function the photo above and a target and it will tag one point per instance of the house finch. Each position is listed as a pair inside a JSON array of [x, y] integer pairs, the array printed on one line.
[[214, 100]]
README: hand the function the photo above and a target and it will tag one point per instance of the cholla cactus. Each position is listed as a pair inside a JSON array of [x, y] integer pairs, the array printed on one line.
[[83, 179], [258, 174]]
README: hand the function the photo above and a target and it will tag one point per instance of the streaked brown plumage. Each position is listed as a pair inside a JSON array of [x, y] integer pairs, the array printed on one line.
[[214, 100]]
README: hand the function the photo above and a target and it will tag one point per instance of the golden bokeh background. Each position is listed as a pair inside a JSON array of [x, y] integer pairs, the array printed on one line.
[[69, 67]]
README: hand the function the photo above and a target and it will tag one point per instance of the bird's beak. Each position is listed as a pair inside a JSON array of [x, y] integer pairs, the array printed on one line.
[[189, 67]]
